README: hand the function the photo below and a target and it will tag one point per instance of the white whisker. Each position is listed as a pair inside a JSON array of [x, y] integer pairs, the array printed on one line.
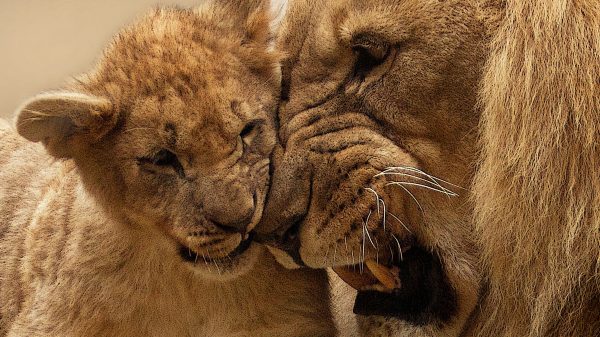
[[399, 247], [405, 183], [428, 181], [376, 197], [384, 213], [217, 265], [434, 177], [214, 262], [366, 226], [414, 169], [411, 195], [208, 262], [400, 221], [362, 254]]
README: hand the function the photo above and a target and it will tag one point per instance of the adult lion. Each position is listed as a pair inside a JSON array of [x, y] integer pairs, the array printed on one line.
[[448, 152]]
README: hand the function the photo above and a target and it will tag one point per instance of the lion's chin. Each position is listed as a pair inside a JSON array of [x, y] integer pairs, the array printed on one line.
[[236, 263], [413, 288]]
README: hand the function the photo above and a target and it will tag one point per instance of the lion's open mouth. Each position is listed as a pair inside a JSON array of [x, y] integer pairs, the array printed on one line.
[[193, 257], [412, 287]]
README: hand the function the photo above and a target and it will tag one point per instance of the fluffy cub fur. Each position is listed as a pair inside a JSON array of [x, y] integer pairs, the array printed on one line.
[[134, 217]]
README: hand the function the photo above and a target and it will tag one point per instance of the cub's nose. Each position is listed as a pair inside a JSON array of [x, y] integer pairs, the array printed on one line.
[[237, 224], [233, 214]]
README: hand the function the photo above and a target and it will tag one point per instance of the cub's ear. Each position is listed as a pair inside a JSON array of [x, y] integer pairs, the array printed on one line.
[[65, 121], [252, 16]]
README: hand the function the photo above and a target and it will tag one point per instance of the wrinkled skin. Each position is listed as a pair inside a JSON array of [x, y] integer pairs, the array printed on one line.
[[377, 132]]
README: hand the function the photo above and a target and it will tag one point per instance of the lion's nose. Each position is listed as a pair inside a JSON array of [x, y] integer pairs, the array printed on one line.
[[233, 215]]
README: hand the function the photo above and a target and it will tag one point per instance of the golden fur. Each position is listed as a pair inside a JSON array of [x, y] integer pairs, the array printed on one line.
[[158, 166], [537, 190], [498, 97]]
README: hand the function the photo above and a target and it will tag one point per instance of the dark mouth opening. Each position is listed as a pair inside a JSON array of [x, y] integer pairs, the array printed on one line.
[[191, 256], [423, 296]]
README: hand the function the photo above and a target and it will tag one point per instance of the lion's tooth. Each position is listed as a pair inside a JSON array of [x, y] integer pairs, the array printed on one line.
[[383, 274], [354, 278]]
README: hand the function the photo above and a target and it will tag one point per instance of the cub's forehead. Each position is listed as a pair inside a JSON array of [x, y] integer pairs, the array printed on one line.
[[184, 71], [185, 27], [208, 129], [169, 51], [214, 108]]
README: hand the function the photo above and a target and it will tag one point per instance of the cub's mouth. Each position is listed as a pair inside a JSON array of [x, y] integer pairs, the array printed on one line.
[[194, 257], [410, 286]]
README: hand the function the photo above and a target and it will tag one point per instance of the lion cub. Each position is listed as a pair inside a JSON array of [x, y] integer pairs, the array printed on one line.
[[143, 225]]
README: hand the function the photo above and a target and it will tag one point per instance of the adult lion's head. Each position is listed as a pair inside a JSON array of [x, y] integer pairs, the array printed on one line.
[[379, 132]]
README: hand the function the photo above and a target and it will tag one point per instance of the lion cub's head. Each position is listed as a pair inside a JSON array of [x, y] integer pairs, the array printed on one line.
[[173, 128]]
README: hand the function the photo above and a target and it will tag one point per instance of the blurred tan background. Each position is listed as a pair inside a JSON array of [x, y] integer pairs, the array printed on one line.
[[44, 42]]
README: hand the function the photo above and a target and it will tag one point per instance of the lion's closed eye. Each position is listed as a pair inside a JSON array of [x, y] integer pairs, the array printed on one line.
[[370, 52], [374, 56]]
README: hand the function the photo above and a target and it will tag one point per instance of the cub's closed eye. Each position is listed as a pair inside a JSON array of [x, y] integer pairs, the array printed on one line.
[[165, 158], [247, 129], [370, 51], [161, 161], [249, 132]]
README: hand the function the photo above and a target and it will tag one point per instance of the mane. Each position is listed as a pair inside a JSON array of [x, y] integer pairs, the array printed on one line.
[[537, 189]]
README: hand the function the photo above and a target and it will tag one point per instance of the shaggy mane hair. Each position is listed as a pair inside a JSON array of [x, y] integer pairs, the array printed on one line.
[[537, 190]]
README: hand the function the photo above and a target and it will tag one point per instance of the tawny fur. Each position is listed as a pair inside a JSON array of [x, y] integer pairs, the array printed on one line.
[[538, 187], [523, 249], [417, 108], [90, 242]]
